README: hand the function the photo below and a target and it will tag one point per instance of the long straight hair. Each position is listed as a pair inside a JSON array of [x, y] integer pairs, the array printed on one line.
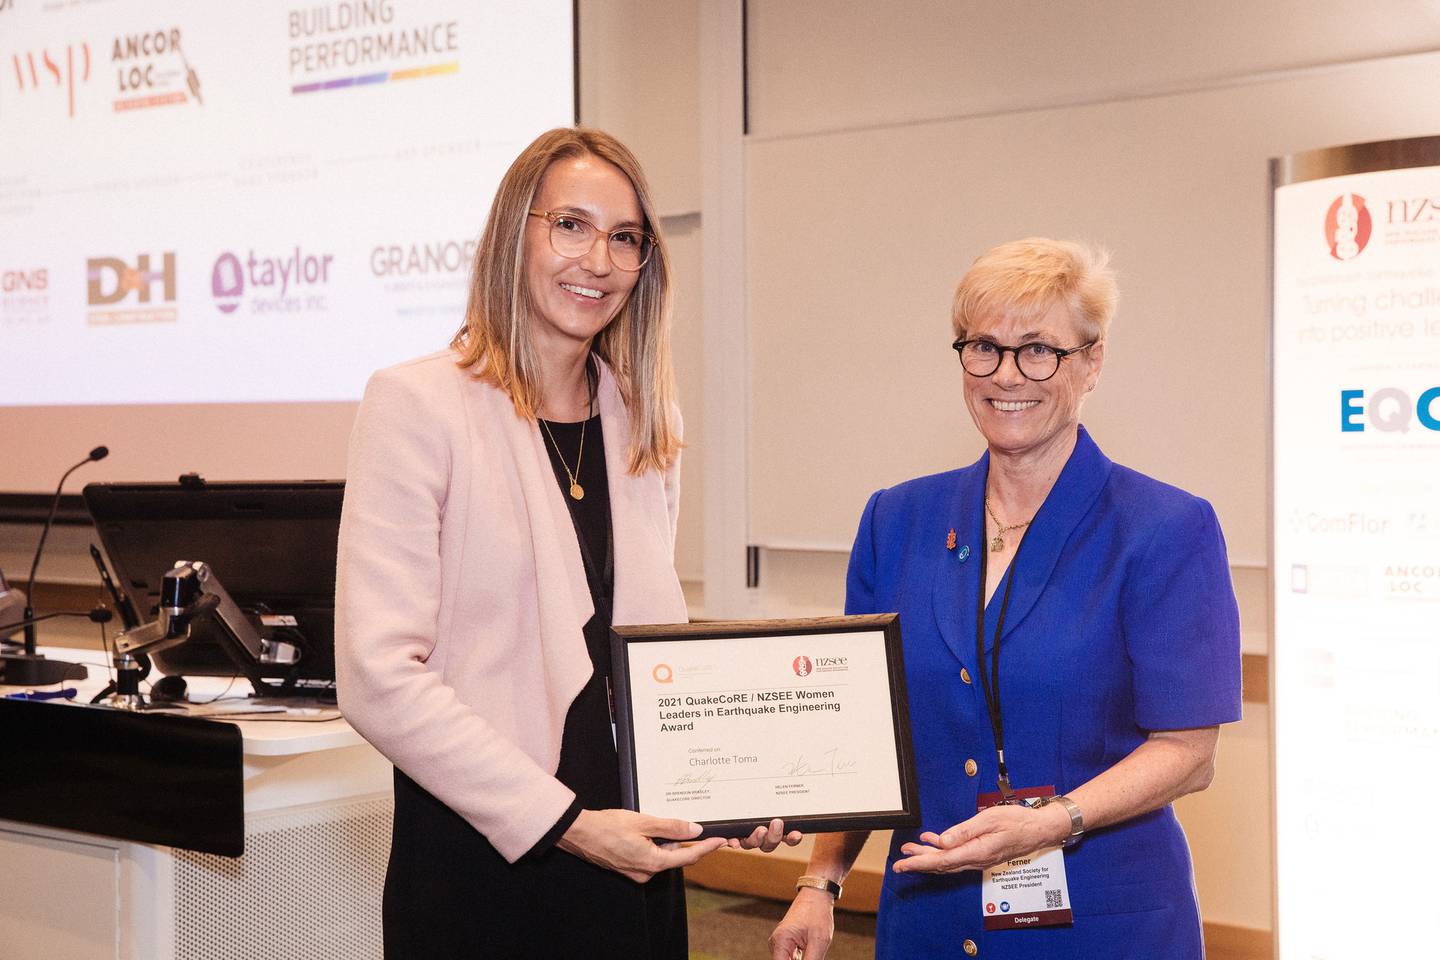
[[495, 341]]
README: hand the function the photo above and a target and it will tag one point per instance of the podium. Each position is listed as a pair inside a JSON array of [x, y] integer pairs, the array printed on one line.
[[306, 803]]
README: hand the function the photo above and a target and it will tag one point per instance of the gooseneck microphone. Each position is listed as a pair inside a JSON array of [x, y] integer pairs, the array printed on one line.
[[31, 669]]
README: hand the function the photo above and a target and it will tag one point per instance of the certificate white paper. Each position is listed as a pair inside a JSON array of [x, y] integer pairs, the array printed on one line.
[[727, 729]]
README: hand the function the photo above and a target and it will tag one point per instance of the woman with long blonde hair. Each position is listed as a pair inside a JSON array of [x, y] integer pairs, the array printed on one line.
[[507, 500]]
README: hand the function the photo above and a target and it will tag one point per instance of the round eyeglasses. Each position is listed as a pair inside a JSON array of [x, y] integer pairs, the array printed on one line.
[[573, 236], [1036, 361]]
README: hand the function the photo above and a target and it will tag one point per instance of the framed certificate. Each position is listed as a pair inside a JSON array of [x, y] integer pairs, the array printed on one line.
[[732, 723]]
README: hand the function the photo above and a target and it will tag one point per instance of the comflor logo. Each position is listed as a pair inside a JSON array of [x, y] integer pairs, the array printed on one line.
[[1347, 226], [802, 666], [110, 280], [1388, 410], [34, 72], [271, 281]]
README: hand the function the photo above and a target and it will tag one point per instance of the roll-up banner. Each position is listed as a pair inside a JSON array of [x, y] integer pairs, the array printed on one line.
[[1356, 549]]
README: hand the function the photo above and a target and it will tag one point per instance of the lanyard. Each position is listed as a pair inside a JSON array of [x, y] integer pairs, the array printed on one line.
[[990, 682]]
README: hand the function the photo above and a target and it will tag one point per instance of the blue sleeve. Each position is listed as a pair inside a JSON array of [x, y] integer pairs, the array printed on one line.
[[1182, 626], [860, 579]]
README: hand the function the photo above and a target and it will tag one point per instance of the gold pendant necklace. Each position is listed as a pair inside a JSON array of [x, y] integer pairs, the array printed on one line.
[[577, 492], [998, 542]]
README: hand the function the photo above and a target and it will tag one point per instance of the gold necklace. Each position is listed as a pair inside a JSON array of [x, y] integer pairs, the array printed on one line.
[[998, 544], [577, 492]]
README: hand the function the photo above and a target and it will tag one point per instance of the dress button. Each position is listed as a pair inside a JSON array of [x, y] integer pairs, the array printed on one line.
[[969, 947], [964, 675], [971, 768]]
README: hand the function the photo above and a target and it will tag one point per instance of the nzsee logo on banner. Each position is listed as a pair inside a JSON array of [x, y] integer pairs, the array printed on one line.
[[1347, 226]]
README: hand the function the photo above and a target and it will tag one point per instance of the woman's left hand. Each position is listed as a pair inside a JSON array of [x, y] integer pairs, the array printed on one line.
[[992, 836], [766, 838]]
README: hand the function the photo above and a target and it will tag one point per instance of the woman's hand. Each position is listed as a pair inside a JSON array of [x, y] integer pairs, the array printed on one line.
[[994, 835], [766, 839], [808, 926], [621, 840]]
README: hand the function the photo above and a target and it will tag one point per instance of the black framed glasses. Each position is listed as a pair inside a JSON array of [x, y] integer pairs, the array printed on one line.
[[572, 236], [1035, 360]]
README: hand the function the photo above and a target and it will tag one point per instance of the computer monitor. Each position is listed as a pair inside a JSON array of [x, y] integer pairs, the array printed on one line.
[[272, 544]]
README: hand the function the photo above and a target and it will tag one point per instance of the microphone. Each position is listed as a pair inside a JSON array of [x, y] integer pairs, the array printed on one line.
[[30, 665]]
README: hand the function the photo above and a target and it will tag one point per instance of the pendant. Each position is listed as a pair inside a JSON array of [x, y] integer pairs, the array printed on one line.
[[577, 492], [997, 545]]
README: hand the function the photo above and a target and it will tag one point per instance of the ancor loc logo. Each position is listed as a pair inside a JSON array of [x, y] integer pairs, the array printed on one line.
[[1388, 410]]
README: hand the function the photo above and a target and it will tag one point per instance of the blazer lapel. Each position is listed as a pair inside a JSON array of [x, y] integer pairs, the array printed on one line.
[[1075, 490], [646, 587], [956, 586]]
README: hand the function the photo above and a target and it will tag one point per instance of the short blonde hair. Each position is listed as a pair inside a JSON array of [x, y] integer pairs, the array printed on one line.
[[495, 340], [1024, 278]]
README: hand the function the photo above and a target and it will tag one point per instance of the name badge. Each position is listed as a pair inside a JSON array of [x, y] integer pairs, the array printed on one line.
[[1029, 891]]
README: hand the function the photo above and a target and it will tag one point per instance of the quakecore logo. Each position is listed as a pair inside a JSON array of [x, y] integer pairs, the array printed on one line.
[[1388, 410], [1347, 226]]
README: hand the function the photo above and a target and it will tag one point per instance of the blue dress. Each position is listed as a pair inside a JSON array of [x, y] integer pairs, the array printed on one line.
[[1122, 620]]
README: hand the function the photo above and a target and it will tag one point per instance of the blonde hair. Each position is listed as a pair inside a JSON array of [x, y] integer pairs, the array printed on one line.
[[495, 340], [1024, 278]]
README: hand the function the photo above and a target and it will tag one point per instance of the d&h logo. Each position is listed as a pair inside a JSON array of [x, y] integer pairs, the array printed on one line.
[[1347, 226], [111, 280]]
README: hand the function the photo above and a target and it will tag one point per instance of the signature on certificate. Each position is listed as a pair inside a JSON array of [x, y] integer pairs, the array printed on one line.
[[693, 779], [828, 764]]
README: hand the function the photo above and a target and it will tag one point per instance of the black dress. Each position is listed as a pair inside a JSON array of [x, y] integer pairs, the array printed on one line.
[[449, 893]]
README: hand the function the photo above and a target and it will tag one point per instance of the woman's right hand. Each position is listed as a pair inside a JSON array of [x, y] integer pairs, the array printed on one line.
[[621, 840], [808, 926]]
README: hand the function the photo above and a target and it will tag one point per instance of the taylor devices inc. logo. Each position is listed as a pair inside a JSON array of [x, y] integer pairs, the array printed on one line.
[[1347, 226]]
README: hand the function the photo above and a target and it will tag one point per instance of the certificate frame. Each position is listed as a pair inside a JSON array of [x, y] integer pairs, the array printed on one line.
[[905, 814]]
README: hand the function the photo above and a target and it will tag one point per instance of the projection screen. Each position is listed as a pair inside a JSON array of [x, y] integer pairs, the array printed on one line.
[[217, 219]]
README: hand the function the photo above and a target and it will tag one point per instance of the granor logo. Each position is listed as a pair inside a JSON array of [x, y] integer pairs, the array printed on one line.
[[1347, 226]]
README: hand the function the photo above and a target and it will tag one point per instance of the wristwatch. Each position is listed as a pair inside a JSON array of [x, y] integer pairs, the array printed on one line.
[[819, 883], [1077, 819]]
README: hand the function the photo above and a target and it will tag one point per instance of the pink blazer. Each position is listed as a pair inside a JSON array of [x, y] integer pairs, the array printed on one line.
[[461, 594]]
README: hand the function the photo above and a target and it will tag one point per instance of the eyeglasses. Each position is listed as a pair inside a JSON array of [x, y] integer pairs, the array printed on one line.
[[573, 236], [1036, 361]]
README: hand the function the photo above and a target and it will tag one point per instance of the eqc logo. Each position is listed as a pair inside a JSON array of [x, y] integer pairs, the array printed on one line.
[[1389, 410], [1347, 226]]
